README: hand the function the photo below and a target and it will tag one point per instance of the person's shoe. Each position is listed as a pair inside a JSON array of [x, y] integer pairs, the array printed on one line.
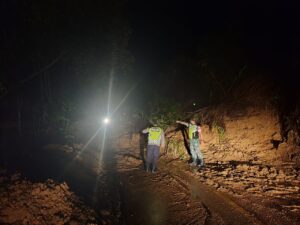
[[192, 164], [147, 170], [153, 169]]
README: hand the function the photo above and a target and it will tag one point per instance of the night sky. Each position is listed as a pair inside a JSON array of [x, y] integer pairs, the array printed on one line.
[[160, 46], [266, 33]]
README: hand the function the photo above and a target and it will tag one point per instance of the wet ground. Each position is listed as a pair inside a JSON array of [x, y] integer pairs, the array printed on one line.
[[112, 182], [174, 196]]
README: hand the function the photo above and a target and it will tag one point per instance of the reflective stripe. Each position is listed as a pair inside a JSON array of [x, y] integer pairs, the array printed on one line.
[[192, 129], [154, 136]]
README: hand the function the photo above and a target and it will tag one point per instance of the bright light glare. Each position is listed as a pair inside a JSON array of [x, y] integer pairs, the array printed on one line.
[[106, 120]]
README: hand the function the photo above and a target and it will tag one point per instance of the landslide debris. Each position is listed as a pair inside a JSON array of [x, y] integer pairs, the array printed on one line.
[[25, 202], [238, 178]]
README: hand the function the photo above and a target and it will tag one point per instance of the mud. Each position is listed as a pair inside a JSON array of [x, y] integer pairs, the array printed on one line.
[[112, 187], [24, 202]]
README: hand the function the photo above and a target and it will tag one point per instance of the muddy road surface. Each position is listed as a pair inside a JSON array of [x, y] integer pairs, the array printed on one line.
[[113, 183], [172, 196]]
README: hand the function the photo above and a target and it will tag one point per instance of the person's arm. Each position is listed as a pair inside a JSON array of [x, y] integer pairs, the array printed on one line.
[[183, 123], [200, 135], [145, 131]]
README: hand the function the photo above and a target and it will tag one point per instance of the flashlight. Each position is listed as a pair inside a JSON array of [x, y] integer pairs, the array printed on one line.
[[106, 120]]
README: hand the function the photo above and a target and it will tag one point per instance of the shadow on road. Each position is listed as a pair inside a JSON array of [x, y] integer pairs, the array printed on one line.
[[94, 182]]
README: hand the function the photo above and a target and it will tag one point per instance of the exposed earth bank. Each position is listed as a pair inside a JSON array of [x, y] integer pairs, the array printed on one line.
[[250, 135], [251, 177]]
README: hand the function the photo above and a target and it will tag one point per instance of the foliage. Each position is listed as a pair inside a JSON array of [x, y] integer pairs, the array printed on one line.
[[220, 131], [164, 112], [177, 149], [290, 126], [72, 49], [59, 117], [210, 75]]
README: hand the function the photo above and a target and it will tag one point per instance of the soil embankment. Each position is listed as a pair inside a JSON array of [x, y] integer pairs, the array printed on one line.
[[252, 135], [239, 185]]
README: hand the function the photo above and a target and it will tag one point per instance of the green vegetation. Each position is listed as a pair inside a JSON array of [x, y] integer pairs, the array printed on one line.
[[164, 112], [177, 149], [61, 117], [67, 64], [220, 131]]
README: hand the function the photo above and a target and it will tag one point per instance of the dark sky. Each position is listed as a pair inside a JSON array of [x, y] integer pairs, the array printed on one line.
[[267, 32], [266, 35]]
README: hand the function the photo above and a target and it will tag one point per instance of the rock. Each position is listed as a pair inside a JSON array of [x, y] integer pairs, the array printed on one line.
[[35, 203], [74, 222], [216, 185], [209, 182], [242, 167], [15, 177], [223, 189], [276, 136], [104, 212], [264, 171]]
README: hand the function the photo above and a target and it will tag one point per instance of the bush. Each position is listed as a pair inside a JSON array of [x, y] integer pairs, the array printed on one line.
[[164, 112]]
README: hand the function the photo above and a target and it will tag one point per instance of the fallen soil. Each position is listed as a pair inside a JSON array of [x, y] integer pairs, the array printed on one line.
[[180, 194], [252, 135], [24, 202], [110, 186]]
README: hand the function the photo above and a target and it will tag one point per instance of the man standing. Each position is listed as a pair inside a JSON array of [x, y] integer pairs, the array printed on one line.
[[195, 138], [156, 139]]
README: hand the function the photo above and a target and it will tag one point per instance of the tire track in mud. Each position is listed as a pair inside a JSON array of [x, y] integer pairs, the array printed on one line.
[[162, 190], [209, 219], [168, 207], [190, 201], [215, 203]]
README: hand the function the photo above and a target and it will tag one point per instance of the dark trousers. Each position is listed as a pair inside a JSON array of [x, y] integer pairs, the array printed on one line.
[[152, 156]]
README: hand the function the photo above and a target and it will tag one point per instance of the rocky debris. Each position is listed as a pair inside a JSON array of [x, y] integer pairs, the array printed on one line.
[[130, 158], [253, 136], [66, 148], [275, 211], [24, 202], [253, 187], [238, 178]]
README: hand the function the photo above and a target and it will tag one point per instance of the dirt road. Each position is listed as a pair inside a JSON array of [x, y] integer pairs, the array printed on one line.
[[172, 196], [113, 183]]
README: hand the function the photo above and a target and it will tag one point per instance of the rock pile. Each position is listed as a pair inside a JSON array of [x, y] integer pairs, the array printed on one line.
[[24, 202], [238, 178]]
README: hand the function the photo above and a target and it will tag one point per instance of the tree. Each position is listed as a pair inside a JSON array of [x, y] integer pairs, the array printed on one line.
[[62, 53]]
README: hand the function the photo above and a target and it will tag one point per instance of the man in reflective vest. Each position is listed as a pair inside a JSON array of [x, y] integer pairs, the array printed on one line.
[[156, 139], [195, 138]]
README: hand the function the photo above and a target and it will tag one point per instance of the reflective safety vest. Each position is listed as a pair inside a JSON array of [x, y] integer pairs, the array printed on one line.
[[193, 132], [154, 136]]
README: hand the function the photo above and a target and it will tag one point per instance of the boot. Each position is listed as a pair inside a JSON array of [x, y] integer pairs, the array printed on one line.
[[153, 169]]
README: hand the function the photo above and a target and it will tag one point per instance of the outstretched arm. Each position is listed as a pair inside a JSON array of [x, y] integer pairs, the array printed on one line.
[[145, 131], [183, 123]]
